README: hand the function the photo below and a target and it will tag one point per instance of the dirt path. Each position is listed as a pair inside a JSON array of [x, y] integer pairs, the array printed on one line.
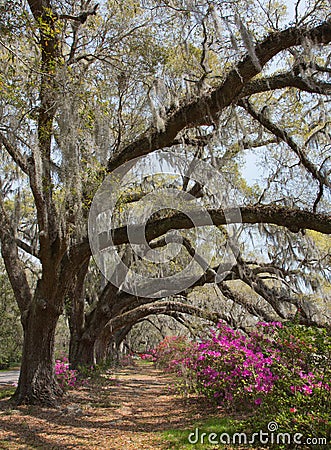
[[125, 411]]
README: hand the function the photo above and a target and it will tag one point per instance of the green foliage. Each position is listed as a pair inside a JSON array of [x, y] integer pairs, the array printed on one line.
[[278, 373], [6, 392], [90, 372], [11, 334], [177, 439]]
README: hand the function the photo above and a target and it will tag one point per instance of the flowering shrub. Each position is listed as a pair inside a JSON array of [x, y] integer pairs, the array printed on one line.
[[233, 369], [148, 356], [126, 361], [66, 377], [174, 353], [301, 397], [278, 372]]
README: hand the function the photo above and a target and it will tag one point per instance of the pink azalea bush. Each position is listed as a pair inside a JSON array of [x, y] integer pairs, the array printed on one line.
[[174, 353], [301, 398], [233, 368], [278, 372], [148, 356], [65, 376], [126, 361]]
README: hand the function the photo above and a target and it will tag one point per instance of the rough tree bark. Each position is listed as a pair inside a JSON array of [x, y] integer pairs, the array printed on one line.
[[83, 343], [76, 313], [37, 384]]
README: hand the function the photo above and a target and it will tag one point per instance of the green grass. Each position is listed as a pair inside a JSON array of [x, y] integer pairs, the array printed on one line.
[[13, 366], [144, 362], [6, 391], [178, 439]]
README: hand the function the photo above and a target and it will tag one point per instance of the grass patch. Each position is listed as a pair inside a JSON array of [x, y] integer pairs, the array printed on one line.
[[12, 366], [178, 439], [144, 362], [6, 391]]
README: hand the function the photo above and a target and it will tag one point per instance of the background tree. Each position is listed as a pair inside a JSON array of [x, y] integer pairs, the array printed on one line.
[[10, 328], [49, 131]]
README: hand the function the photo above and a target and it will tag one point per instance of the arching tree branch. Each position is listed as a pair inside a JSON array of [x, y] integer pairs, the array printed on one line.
[[162, 307], [285, 80], [206, 109], [251, 307], [14, 266], [14, 152], [294, 219]]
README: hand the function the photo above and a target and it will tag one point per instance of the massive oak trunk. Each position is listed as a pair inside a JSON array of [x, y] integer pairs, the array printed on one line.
[[37, 383], [76, 316], [102, 348]]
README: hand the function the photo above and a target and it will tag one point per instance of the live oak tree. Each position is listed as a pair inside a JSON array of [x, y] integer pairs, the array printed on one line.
[[87, 88], [49, 131]]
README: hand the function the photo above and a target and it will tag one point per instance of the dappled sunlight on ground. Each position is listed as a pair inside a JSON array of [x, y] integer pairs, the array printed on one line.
[[123, 411]]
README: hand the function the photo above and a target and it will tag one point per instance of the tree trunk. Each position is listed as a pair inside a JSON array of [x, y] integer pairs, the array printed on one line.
[[76, 315], [37, 383], [82, 352], [108, 346], [102, 348], [85, 334]]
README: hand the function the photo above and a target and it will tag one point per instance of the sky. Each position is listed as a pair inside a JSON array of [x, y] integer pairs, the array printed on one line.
[[252, 170]]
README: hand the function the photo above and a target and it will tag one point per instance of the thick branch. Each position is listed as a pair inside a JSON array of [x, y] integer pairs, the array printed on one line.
[[277, 298], [136, 314], [71, 262], [284, 136], [14, 266], [292, 218], [38, 7], [40, 161], [284, 80], [82, 17], [250, 306], [206, 109], [26, 247], [13, 151]]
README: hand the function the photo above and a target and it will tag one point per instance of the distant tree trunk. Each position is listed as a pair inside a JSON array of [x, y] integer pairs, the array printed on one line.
[[83, 352], [108, 345], [76, 316], [84, 337], [93, 346]]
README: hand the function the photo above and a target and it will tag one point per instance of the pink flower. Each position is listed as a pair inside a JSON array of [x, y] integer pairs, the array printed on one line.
[[307, 389], [293, 410]]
